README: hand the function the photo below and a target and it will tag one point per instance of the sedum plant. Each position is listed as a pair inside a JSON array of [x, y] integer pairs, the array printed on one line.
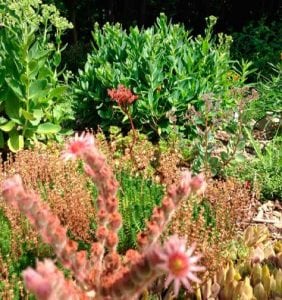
[[164, 65], [33, 100], [103, 273]]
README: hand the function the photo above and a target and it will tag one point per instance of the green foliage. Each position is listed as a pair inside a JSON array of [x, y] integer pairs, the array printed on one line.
[[265, 169], [270, 95], [138, 196], [204, 209], [217, 138], [260, 43], [33, 101], [166, 67], [5, 235]]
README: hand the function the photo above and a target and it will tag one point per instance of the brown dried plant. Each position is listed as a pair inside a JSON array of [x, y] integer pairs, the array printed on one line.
[[167, 167], [232, 206], [60, 184]]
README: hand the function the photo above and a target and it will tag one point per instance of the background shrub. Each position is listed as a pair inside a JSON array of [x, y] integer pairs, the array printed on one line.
[[270, 96], [165, 66], [259, 42]]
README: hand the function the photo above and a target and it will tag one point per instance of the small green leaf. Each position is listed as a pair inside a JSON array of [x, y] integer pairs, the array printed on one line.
[[8, 126], [48, 128], [240, 157], [15, 141], [3, 120], [241, 145], [224, 156], [27, 115], [37, 114], [37, 88], [58, 91]]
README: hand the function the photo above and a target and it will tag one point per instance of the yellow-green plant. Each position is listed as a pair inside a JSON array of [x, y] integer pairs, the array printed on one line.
[[257, 276], [33, 101]]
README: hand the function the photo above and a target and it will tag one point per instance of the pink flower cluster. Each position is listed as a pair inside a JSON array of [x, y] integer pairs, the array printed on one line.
[[103, 273], [122, 95]]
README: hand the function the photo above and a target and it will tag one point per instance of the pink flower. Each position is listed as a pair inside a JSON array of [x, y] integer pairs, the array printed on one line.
[[12, 183], [78, 145], [37, 284], [179, 263], [11, 187], [186, 182], [198, 184], [122, 95]]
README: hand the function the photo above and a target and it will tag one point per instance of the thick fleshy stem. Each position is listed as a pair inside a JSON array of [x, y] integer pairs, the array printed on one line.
[[47, 282], [109, 219], [131, 282], [162, 214], [47, 225]]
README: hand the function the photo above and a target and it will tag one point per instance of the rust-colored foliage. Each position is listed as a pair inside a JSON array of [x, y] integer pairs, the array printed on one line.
[[60, 184], [232, 207]]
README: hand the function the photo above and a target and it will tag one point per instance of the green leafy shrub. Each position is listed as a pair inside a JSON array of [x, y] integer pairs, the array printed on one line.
[[165, 66], [265, 169], [260, 43], [33, 101]]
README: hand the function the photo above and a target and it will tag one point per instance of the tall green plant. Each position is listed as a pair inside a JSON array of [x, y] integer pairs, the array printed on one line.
[[33, 100], [165, 66]]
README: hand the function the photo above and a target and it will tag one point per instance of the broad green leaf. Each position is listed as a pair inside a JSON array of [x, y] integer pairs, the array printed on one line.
[[8, 126], [48, 128], [15, 141], [12, 107], [58, 91], [15, 87], [37, 88]]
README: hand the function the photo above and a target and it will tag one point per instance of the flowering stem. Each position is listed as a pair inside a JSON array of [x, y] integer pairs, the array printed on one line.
[[127, 112]]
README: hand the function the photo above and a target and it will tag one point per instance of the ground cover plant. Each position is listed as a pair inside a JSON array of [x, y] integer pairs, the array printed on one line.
[[94, 276]]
